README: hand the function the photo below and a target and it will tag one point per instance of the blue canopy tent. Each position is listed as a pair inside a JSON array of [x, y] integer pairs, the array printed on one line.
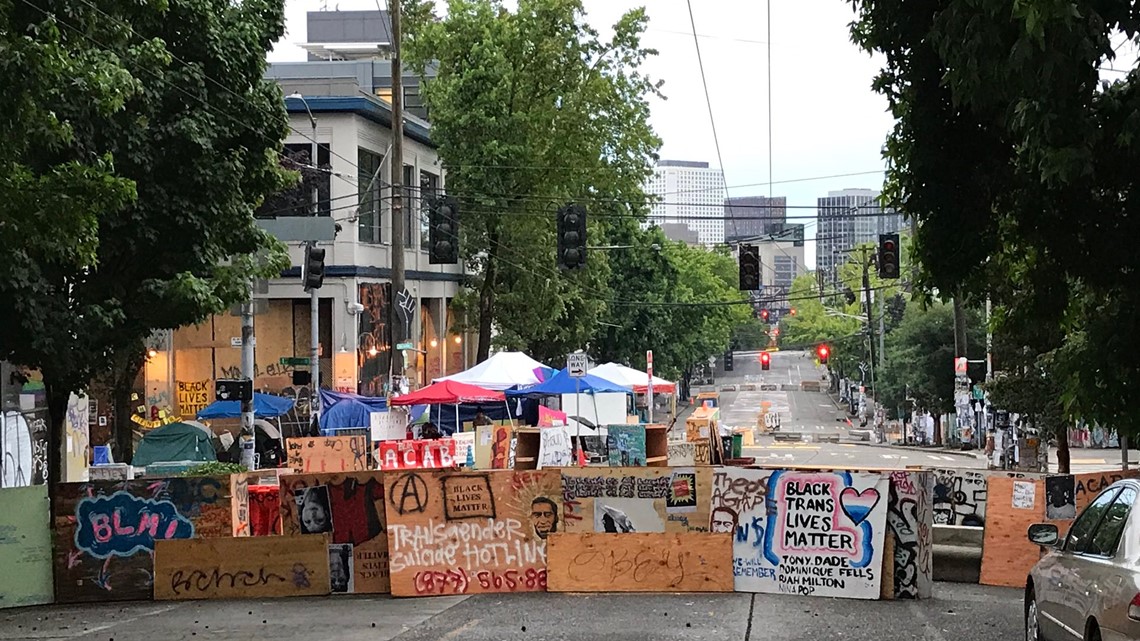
[[563, 383], [264, 406]]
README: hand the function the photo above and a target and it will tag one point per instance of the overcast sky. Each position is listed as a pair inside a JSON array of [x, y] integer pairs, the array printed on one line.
[[825, 118]]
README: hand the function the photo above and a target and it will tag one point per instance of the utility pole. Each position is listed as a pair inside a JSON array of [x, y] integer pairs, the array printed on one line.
[[247, 439], [314, 300], [396, 171], [870, 328]]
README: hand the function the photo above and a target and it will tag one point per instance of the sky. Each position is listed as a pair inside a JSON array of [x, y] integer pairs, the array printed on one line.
[[825, 119]]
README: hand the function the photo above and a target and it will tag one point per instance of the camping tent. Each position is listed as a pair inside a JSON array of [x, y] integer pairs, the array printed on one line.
[[343, 410], [501, 371], [633, 378], [449, 393], [563, 383], [264, 406], [174, 442]]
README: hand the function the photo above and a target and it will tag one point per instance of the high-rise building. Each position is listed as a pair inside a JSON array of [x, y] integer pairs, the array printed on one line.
[[849, 218], [748, 217], [691, 193]]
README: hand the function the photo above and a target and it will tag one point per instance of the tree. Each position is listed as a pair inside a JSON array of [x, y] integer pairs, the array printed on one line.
[[184, 133], [530, 109], [1004, 129], [1034, 390]]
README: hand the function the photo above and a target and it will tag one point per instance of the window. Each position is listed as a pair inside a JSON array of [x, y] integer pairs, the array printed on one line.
[[369, 226], [1081, 531], [298, 201], [429, 185], [411, 211], [1107, 536]]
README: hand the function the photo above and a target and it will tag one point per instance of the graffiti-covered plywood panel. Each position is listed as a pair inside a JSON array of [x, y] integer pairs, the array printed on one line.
[[241, 568], [636, 499], [640, 562], [910, 520], [470, 532], [350, 509], [328, 454], [959, 497], [808, 533], [105, 531]]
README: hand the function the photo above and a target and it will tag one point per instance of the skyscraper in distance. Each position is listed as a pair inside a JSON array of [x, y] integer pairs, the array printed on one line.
[[692, 193], [848, 218]]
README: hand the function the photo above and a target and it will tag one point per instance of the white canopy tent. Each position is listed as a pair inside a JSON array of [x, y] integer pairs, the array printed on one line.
[[630, 377], [499, 372]]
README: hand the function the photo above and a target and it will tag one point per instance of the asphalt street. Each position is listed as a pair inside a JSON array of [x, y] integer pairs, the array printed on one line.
[[966, 612], [813, 415]]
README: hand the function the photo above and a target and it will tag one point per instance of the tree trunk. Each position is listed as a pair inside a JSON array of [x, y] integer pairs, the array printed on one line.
[[123, 433], [1063, 454], [960, 347], [487, 299]]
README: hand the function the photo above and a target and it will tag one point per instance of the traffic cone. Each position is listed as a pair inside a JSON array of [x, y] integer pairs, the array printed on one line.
[[581, 458]]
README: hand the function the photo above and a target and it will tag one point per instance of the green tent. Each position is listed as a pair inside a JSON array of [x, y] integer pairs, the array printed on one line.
[[175, 442]]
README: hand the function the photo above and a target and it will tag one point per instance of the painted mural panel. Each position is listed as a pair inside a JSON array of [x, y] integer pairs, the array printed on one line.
[[470, 532], [105, 531], [25, 547], [959, 497], [807, 533], [636, 499], [349, 508]]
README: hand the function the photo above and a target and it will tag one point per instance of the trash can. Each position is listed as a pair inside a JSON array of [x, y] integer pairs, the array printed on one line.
[[737, 445]]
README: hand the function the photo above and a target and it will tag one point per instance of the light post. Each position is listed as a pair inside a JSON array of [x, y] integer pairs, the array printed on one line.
[[314, 301]]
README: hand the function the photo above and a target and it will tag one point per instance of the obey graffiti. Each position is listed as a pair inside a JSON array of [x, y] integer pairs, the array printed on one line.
[[123, 524]]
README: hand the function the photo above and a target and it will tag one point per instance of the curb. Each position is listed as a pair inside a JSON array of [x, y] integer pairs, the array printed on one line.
[[934, 450]]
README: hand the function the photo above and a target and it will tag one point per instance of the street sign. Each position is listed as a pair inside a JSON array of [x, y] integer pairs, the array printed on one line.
[[576, 364], [403, 346], [294, 360], [235, 341]]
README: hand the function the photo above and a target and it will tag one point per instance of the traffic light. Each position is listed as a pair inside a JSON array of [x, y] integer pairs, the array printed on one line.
[[764, 315], [313, 269], [728, 361], [749, 268], [765, 361], [888, 255], [571, 237], [823, 352], [443, 231], [792, 311]]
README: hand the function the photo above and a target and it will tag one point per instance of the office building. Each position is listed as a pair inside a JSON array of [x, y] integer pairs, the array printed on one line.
[[691, 193], [753, 216], [847, 219]]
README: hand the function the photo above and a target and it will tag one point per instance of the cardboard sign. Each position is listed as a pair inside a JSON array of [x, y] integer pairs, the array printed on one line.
[[554, 447], [470, 532], [626, 445], [418, 454], [349, 508], [328, 454], [662, 562], [193, 396], [389, 426], [807, 533], [245, 568], [464, 447]]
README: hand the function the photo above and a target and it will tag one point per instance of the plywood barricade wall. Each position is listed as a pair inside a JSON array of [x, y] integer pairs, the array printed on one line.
[[636, 499], [1007, 554], [104, 532], [470, 532], [25, 547], [241, 568], [328, 454], [910, 522], [808, 532], [640, 562], [349, 507]]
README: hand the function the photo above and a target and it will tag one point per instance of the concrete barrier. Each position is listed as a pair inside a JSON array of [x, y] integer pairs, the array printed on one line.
[[827, 438], [809, 386], [768, 387], [728, 388], [788, 436], [958, 535]]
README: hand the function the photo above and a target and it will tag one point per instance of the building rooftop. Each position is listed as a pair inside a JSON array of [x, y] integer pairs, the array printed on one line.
[[692, 164]]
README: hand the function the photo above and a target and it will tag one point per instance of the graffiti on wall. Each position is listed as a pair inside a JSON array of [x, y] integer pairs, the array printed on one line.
[[910, 519], [629, 499], [959, 497]]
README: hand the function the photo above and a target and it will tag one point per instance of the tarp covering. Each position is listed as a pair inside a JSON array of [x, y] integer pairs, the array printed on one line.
[[633, 378], [264, 406], [563, 383], [330, 398], [342, 410], [501, 371], [174, 442], [449, 393]]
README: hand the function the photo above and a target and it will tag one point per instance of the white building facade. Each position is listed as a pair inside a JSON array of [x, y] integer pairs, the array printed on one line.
[[691, 193]]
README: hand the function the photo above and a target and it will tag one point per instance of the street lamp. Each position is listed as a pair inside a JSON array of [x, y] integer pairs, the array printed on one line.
[[314, 301]]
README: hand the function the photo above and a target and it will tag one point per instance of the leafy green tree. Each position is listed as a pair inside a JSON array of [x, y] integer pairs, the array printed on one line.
[[531, 110], [1016, 159], [163, 144]]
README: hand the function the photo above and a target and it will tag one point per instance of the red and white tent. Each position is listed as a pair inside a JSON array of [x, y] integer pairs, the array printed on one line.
[[630, 377]]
